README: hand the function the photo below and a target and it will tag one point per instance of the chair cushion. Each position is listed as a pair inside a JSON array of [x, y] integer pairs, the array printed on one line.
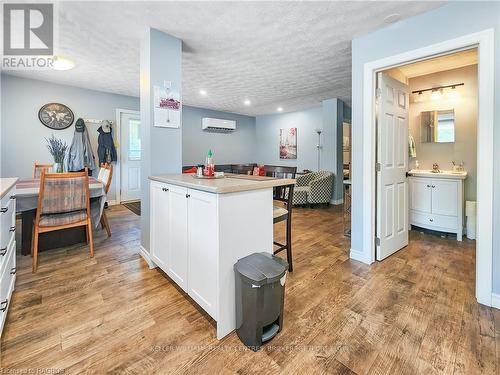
[[54, 220], [300, 194], [279, 212]]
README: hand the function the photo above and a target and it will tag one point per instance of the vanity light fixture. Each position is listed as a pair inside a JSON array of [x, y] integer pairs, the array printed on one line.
[[437, 94], [453, 93], [441, 88], [62, 63]]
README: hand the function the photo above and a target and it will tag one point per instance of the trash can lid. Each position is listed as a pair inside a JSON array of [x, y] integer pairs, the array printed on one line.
[[261, 268]]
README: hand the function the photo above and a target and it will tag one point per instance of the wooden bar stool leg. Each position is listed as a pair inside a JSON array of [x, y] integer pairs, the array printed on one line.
[[34, 261], [91, 237]]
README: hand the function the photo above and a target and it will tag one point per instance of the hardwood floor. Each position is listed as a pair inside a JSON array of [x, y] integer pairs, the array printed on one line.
[[412, 313]]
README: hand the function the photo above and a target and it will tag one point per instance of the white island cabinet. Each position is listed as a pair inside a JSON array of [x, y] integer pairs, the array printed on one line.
[[200, 228], [437, 201]]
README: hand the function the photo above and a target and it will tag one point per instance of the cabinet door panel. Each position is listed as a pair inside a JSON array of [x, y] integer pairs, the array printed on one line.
[[178, 248], [444, 197], [203, 249], [420, 194], [159, 221]]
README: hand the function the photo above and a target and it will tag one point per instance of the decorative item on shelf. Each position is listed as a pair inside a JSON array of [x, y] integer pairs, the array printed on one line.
[[57, 149], [56, 116], [288, 143]]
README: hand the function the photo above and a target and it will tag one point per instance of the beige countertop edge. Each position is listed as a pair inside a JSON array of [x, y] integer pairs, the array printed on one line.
[[216, 186], [6, 184]]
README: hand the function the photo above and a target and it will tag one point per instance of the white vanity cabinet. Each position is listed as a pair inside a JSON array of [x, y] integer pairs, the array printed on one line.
[[7, 245], [437, 203], [184, 240]]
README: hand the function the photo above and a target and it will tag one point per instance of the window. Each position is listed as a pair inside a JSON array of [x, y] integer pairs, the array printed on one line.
[[134, 140]]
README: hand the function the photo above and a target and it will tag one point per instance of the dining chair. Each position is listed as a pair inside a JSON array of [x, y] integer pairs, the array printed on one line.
[[282, 212], [242, 168], [280, 171], [39, 168], [105, 176], [63, 202]]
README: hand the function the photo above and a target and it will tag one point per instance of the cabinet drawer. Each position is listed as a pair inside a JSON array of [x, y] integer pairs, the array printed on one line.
[[7, 285], [434, 221], [7, 221]]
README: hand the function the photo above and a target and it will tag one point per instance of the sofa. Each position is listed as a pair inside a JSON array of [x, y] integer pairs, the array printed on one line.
[[313, 188]]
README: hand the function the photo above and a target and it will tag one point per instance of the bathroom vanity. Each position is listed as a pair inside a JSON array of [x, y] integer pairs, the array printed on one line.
[[437, 200]]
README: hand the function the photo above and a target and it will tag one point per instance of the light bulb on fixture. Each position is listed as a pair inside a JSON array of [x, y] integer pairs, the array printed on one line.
[[453, 93], [420, 97], [436, 94]]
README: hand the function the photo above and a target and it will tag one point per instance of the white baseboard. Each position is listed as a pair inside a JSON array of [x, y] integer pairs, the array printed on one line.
[[112, 202], [145, 255], [359, 256], [495, 300], [337, 201]]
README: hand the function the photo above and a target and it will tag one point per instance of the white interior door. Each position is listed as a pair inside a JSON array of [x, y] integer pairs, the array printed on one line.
[[392, 159], [130, 156]]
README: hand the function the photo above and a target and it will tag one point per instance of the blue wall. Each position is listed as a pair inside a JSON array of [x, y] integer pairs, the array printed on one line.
[[448, 22]]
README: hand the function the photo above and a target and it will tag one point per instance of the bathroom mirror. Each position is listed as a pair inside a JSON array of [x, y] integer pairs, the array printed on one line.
[[437, 126]]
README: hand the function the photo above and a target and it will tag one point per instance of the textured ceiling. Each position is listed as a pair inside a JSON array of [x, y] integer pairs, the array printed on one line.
[[291, 54]]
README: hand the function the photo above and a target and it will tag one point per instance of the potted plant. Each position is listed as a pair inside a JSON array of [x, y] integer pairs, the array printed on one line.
[[57, 149]]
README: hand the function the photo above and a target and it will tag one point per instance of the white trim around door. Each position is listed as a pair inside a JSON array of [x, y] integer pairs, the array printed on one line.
[[117, 134], [484, 41]]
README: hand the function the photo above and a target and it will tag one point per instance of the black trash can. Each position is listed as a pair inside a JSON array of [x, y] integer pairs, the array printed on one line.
[[260, 295]]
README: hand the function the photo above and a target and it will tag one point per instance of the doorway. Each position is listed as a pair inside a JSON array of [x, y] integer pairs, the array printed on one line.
[[129, 156], [484, 42]]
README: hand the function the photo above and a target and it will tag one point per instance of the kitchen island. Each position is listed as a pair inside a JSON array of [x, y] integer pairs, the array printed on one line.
[[201, 227]]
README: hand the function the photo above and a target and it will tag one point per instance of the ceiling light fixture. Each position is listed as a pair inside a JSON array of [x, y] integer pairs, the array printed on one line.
[[279, 109], [62, 63], [247, 102], [391, 18], [203, 92]]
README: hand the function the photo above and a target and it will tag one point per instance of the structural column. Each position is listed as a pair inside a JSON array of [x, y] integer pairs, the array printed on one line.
[[161, 147]]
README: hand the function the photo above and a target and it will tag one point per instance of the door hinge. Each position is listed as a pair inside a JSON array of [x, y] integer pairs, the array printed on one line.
[[378, 93], [378, 167], [377, 241]]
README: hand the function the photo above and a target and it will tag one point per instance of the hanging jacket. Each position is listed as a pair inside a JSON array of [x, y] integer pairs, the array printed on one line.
[[80, 153], [106, 151]]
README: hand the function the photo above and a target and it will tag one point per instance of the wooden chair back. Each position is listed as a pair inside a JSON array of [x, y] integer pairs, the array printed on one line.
[[38, 168], [280, 171], [62, 193], [242, 168], [106, 175]]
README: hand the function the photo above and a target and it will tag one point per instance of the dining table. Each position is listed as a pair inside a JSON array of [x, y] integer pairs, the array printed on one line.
[[27, 191]]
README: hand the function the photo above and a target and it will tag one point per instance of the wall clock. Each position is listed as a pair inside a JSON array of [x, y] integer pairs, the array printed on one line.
[[56, 116]]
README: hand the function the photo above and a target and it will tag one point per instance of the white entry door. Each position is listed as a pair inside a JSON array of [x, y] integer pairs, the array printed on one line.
[[130, 156], [392, 165]]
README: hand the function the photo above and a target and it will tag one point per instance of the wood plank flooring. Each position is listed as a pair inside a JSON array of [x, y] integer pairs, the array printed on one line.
[[414, 313]]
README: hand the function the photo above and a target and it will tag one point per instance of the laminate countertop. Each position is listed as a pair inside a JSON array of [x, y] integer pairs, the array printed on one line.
[[6, 184], [230, 183]]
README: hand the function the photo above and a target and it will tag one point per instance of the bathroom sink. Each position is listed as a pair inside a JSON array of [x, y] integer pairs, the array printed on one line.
[[440, 174]]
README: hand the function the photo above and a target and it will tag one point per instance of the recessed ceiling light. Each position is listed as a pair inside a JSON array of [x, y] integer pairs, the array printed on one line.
[[247, 102], [62, 63], [391, 18], [279, 109], [203, 92]]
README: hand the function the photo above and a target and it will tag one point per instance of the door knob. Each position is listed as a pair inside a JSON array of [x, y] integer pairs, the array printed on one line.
[[187, 195], [4, 305], [431, 219]]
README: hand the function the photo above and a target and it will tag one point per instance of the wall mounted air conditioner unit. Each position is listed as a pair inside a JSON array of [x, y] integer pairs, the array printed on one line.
[[217, 125]]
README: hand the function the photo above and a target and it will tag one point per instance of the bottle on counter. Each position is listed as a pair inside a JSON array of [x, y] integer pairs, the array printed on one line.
[[209, 170]]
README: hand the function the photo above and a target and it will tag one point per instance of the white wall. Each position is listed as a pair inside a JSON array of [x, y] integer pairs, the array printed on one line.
[[465, 106], [268, 132], [450, 21], [22, 141]]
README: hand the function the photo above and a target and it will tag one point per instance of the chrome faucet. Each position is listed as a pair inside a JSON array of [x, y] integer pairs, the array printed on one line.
[[435, 168]]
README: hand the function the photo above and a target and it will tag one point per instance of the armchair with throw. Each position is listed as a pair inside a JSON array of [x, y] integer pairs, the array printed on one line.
[[313, 188]]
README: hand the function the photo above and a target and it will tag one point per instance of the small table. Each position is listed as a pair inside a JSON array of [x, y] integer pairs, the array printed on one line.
[[27, 191]]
